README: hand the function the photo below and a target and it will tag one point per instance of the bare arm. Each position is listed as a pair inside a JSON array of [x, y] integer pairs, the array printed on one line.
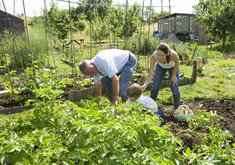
[[98, 89], [115, 89], [175, 58], [150, 73]]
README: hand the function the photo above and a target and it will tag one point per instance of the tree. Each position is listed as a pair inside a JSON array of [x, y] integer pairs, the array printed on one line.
[[59, 21], [217, 17], [125, 25], [87, 7], [78, 20], [100, 28], [158, 15]]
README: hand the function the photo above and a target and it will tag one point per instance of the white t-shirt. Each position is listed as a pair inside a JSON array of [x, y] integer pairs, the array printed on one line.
[[109, 62], [147, 102]]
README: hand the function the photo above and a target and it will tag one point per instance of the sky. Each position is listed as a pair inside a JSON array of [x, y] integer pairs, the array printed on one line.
[[34, 7]]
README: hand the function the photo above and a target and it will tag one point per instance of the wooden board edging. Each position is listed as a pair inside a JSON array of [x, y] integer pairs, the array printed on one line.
[[16, 109]]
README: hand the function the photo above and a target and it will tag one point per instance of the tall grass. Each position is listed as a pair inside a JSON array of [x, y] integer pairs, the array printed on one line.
[[18, 50]]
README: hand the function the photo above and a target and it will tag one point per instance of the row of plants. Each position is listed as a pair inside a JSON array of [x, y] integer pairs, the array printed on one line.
[[21, 90]]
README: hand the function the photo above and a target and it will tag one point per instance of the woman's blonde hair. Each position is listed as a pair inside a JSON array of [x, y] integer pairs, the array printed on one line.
[[134, 90]]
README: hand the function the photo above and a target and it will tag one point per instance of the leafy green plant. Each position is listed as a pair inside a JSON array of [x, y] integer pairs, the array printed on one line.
[[38, 79], [200, 68], [214, 146], [204, 119], [214, 55], [90, 132], [86, 83], [9, 80]]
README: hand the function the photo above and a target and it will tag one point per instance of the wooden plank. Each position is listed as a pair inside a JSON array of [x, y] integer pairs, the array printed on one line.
[[77, 95], [16, 109]]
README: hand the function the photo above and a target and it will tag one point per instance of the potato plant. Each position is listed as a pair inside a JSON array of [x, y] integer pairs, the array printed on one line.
[[88, 133]]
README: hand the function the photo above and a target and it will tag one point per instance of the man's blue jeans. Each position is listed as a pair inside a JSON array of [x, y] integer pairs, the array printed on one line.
[[125, 76], [158, 77]]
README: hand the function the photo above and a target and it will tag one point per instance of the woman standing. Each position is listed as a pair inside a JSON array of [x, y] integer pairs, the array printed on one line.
[[167, 60]]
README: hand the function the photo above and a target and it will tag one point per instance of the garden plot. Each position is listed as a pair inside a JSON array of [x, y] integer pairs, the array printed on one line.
[[223, 108]]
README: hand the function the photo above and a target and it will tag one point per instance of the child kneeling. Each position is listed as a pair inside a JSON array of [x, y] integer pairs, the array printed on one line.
[[134, 94]]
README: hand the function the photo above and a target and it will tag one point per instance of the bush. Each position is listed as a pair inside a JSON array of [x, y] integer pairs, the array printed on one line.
[[147, 45], [228, 48]]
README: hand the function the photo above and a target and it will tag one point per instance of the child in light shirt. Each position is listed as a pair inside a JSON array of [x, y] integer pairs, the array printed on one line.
[[134, 94]]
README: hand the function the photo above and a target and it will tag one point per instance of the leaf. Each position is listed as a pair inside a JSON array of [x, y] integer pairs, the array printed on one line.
[[74, 155], [88, 129], [3, 160], [14, 148], [104, 154], [216, 161], [87, 141], [188, 152], [214, 156], [90, 150], [177, 162], [41, 138], [228, 149], [68, 162]]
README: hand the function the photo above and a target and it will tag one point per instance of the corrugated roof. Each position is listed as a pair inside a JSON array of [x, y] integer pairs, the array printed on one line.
[[176, 14]]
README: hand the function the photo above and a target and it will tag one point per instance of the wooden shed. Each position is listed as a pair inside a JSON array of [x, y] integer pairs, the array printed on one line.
[[183, 26], [8, 21]]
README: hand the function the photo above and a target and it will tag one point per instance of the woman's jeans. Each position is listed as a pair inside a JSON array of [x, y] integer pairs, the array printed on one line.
[[157, 80], [125, 77]]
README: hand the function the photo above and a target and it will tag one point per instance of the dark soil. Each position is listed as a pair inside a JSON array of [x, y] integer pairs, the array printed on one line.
[[6, 101], [224, 108]]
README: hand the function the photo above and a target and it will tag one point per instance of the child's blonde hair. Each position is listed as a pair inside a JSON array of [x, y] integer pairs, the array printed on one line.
[[134, 90]]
